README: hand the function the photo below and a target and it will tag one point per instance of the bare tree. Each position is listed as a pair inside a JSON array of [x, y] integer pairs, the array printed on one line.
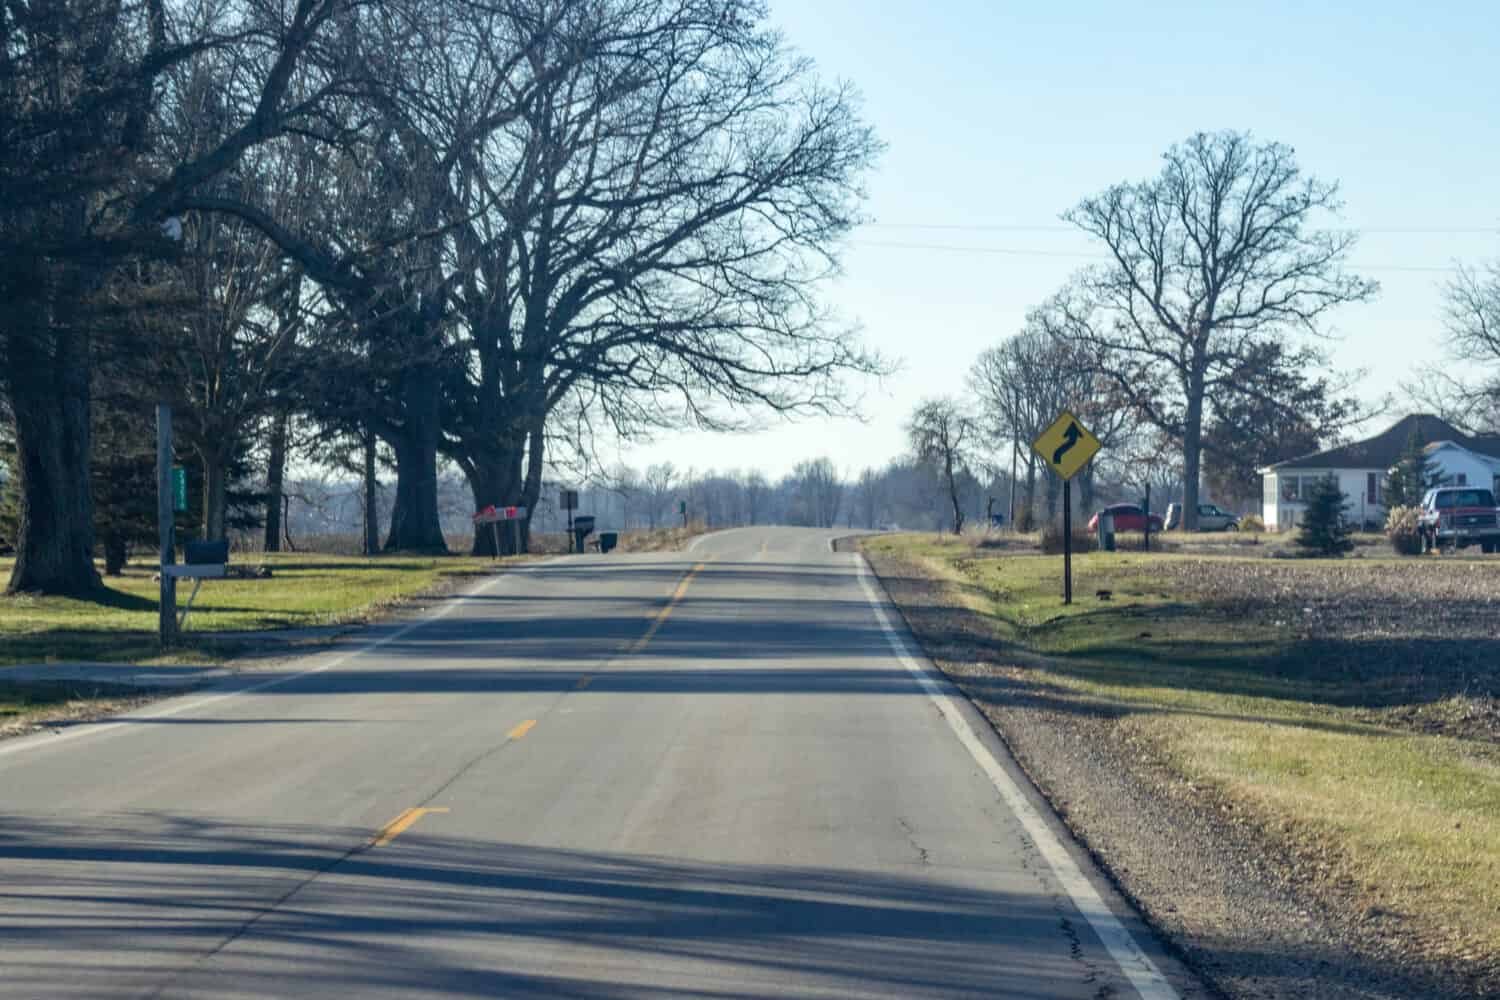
[[1024, 383], [1471, 319], [871, 491], [86, 192], [1209, 261], [757, 489], [817, 492], [661, 486], [651, 230], [943, 435]]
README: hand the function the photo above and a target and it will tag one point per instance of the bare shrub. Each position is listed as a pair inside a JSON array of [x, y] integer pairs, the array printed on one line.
[[1402, 529]]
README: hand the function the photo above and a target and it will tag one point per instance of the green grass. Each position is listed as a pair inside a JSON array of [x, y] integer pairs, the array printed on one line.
[[1298, 726], [119, 625]]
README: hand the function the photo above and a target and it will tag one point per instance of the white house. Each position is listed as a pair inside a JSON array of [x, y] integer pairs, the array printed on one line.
[[1361, 469]]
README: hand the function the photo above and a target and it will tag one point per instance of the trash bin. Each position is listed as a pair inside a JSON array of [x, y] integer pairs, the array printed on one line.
[[608, 540], [1107, 532]]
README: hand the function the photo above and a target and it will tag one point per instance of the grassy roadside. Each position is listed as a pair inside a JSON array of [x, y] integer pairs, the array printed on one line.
[[1348, 707], [303, 590]]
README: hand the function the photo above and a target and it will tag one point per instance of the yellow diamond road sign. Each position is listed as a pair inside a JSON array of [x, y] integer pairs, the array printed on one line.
[[1067, 445]]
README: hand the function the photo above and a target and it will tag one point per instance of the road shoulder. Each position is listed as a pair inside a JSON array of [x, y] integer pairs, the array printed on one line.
[[1229, 898]]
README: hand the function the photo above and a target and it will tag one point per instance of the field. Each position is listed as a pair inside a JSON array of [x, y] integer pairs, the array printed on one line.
[[1350, 708]]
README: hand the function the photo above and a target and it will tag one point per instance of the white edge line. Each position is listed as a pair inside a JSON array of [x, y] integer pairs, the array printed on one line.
[[39, 740], [1136, 965]]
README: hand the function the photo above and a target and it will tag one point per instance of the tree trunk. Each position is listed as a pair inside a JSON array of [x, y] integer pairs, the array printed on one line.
[[415, 522], [275, 478], [215, 475], [531, 491], [48, 378], [116, 553], [1031, 512], [372, 497], [496, 480], [1192, 452], [958, 511], [1086, 489]]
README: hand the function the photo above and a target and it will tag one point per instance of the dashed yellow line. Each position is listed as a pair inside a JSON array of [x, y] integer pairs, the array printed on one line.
[[400, 824], [661, 616], [522, 729], [582, 683]]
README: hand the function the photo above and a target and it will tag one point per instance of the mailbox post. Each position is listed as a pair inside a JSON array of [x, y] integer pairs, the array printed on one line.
[[167, 596]]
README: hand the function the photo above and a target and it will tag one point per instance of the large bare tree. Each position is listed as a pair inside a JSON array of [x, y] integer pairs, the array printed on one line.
[[1024, 383], [86, 192], [1209, 261], [943, 435], [663, 212]]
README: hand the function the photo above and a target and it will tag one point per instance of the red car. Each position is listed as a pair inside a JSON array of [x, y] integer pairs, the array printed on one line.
[[1128, 517]]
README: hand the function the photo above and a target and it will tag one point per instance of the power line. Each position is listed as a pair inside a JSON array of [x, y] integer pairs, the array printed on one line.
[[1019, 252], [1031, 228]]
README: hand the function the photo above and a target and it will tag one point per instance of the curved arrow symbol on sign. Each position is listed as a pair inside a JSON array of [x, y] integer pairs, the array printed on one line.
[[1072, 434]]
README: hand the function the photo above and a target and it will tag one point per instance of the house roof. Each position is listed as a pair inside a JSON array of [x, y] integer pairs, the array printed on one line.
[[1384, 450], [1492, 458]]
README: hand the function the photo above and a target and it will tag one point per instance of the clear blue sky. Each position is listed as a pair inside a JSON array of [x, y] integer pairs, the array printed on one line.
[[1007, 113]]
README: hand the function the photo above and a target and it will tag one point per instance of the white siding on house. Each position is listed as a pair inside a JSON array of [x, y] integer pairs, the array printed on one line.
[[1284, 506], [1461, 467]]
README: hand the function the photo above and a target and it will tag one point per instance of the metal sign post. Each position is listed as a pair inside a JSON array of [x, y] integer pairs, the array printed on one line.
[[1147, 506], [1066, 447], [569, 500], [1067, 541], [167, 597]]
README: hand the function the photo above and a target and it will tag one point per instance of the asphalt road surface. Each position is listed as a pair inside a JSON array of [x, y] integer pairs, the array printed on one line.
[[717, 773]]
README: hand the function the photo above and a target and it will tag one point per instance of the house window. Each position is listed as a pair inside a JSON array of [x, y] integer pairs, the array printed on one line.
[[1289, 488], [1372, 487], [1463, 479]]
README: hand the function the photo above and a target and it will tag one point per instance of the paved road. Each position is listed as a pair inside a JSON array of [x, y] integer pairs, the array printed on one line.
[[698, 774]]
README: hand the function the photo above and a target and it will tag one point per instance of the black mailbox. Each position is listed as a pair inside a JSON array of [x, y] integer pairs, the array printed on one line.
[[607, 540], [583, 526], [205, 553]]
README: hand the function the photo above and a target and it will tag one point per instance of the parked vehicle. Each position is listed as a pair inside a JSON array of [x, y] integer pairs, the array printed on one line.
[[1128, 517], [1457, 517], [1210, 518]]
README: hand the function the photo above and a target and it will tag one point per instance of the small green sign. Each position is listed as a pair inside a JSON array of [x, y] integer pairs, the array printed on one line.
[[179, 489]]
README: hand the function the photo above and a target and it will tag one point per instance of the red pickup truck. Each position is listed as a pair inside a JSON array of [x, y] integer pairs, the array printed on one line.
[[1459, 516]]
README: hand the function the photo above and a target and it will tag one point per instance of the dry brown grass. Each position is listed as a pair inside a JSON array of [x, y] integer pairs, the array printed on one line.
[[1351, 707]]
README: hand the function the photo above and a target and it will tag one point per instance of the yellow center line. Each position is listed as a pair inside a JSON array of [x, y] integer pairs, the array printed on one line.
[[582, 683], [661, 615], [522, 729], [401, 823]]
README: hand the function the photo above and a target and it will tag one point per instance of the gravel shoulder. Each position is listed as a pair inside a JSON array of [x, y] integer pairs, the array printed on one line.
[[1259, 913]]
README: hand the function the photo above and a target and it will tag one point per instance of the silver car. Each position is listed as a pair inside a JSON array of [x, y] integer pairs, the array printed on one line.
[[1210, 518]]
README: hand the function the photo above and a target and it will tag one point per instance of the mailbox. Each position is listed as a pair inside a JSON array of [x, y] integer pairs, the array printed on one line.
[[583, 526], [608, 540], [205, 553]]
